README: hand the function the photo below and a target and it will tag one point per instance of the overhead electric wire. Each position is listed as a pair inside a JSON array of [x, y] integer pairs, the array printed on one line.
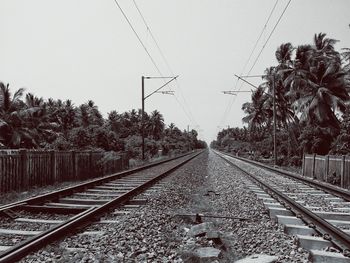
[[261, 33], [255, 61], [187, 112], [268, 38], [152, 36], [233, 99], [138, 37]]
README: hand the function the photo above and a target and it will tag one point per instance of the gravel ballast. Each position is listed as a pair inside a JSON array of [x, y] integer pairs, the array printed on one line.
[[157, 231], [290, 186]]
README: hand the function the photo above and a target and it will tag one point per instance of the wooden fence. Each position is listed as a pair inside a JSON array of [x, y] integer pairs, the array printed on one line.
[[22, 169], [329, 168]]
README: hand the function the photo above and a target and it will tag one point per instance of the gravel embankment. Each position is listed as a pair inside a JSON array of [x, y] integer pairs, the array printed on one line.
[[258, 235], [290, 186], [156, 232]]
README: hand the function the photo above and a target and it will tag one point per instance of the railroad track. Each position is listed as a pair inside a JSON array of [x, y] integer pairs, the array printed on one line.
[[54, 215], [317, 214]]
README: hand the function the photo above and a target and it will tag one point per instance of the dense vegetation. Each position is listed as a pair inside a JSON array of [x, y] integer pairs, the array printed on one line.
[[312, 85], [35, 123]]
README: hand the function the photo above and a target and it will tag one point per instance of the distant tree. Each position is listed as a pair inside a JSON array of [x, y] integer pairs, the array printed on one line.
[[57, 124]]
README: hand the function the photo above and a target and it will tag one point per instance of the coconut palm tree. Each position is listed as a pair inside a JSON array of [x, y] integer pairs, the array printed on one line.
[[114, 121], [156, 124], [9, 103], [95, 115], [284, 55], [257, 114], [316, 83], [37, 119], [14, 132], [324, 48]]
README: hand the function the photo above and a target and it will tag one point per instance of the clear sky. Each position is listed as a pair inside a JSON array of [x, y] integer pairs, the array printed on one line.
[[84, 49]]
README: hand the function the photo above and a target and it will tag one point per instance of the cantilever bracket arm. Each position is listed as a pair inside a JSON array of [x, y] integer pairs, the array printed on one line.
[[160, 87], [246, 81]]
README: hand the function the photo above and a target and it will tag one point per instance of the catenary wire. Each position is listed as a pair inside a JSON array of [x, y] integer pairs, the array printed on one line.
[[268, 38], [188, 111], [263, 47], [233, 99], [152, 36], [138, 37], [144, 47], [258, 39]]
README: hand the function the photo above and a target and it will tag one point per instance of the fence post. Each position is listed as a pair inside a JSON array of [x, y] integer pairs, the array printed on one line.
[[342, 171], [313, 165], [346, 172], [125, 161], [74, 165], [326, 168], [53, 165], [303, 165], [91, 172], [121, 163], [24, 184]]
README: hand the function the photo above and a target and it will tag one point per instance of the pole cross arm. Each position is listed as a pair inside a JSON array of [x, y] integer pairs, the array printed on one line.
[[242, 78], [173, 78]]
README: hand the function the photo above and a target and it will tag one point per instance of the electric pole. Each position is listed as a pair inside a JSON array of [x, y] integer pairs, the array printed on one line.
[[143, 104], [274, 120], [233, 92], [142, 118], [188, 137]]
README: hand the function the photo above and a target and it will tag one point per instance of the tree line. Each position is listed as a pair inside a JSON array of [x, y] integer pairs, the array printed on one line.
[[28, 121], [312, 85]]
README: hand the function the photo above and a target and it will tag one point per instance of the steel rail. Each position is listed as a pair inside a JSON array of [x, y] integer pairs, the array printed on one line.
[[339, 192], [338, 237], [70, 190], [19, 251]]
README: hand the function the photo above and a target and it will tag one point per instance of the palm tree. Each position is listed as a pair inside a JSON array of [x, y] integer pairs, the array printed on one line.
[[9, 103], [284, 55], [114, 121], [84, 115], [257, 114], [37, 119], [324, 47], [13, 129], [156, 124], [317, 86], [169, 130], [346, 58], [95, 115]]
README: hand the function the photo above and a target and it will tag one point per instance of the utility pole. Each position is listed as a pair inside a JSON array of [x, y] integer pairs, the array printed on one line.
[[188, 137], [274, 120], [142, 117], [143, 104], [233, 92]]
